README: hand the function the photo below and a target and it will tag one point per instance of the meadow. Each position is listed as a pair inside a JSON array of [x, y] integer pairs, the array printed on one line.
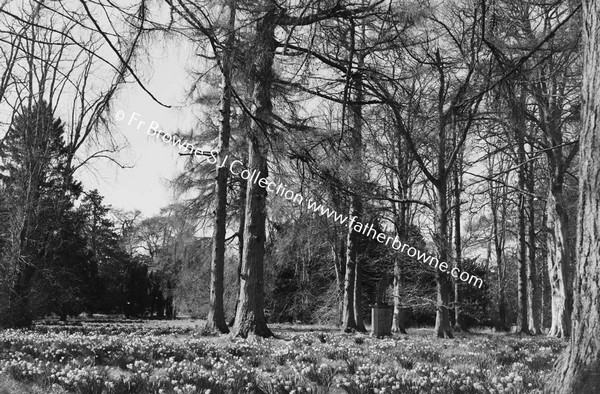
[[160, 357]]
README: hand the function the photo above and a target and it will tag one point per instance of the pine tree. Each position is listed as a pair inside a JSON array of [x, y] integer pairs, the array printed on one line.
[[35, 176]]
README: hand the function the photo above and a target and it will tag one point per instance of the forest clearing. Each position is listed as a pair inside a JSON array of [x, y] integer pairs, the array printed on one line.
[[149, 357]]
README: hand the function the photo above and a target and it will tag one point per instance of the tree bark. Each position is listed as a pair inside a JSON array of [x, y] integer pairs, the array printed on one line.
[[398, 323], [578, 370], [357, 142], [398, 319], [352, 313], [498, 238], [458, 321], [533, 306], [240, 235], [358, 310], [558, 265], [250, 317], [442, 317], [348, 317], [518, 107], [216, 312], [554, 80]]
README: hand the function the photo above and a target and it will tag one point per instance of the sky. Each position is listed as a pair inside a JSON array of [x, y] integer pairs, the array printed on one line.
[[153, 162]]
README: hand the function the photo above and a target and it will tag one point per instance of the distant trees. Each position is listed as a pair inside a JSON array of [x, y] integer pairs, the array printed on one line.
[[58, 258], [47, 258]]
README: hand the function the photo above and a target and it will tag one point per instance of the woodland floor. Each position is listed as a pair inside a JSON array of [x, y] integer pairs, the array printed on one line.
[[149, 356]]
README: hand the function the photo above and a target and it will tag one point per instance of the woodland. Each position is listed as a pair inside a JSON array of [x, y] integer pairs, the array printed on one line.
[[466, 128]]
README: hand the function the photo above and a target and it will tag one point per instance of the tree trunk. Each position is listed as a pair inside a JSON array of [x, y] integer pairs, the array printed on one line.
[[240, 235], [338, 255], [499, 251], [358, 310], [342, 261], [216, 312], [398, 323], [533, 307], [398, 320], [442, 317], [558, 264], [578, 370], [337, 262], [348, 317], [458, 321], [357, 142], [352, 314], [250, 317], [518, 103]]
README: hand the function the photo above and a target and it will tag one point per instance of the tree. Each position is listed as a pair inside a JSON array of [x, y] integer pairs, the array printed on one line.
[[36, 176], [250, 314], [578, 370], [516, 100], [216, 313], [249, 317], [352, 312]]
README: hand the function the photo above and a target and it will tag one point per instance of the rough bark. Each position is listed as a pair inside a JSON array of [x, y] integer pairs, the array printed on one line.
[[348, 317], [240, 235], [216, 312], [558, 265], [442, 317], [338, 276], [517, 104], [358, 308], [533, 307], [443, 285], [551, 83], [338, 253], [498, 239], [352, 313], [578, 370], [398, 324], [357, 142], [250, 317], [458, 321]]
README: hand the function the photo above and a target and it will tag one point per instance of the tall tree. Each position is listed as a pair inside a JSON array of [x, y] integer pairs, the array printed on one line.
[[36, 175], [516, 100], [578, 370], [216, 313], [359, 176], [352, 313], [554, 89], [457, 192], [533, 308], [250, 317]]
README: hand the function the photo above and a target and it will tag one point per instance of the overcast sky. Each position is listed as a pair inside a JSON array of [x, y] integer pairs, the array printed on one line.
[[145, 186]]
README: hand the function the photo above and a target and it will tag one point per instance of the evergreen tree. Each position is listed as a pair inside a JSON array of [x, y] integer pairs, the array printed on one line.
[[40, 190]]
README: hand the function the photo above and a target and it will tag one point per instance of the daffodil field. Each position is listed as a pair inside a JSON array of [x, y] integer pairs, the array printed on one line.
[[133, 358]]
